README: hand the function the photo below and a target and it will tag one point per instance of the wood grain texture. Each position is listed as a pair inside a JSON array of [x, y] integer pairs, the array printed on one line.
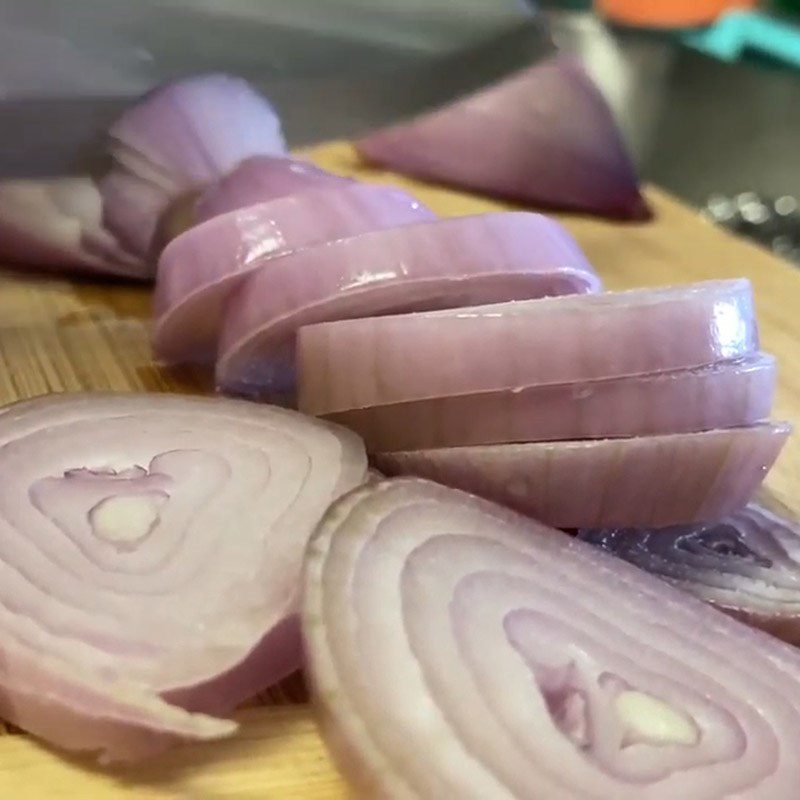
[[59, 335]]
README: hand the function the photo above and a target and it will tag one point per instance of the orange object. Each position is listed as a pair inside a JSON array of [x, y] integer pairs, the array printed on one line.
[[669, 13]]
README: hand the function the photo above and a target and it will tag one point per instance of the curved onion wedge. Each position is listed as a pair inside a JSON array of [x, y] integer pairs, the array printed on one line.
[[442, 264], [57, 223], [259, 179], [365, 362], [723, 395], [150, 547], [544, 135], [660, 480], [747, 564], [458, 650], [178, 138], [198, 270]]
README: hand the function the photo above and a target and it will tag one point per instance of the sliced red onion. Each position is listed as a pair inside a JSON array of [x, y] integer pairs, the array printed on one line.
[[262, 178], [177, 139], [199, 269], [57, 223], [458, 650], [150, 547], [667, 479], [442, 264], [723, 395], [367, 362], [545, 135], [747, 564]]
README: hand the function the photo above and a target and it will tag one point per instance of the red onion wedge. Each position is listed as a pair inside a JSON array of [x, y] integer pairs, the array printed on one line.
[[723, 395], [177, 139], [544, 135], [458, 650], [56, 223], [150, 547], [262, 178], [658, 480], [441, 264], [367, 362], [747, 564], [198, 270]]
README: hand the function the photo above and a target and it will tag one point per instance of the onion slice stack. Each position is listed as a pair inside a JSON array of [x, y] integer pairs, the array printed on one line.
[[747, 564], [544, 135], [150, 549], [259, 179], [459, 650], [442, 264], [57, 223], [564, 340], [176, 140], [645, 480], [198, 270], [722, 395]]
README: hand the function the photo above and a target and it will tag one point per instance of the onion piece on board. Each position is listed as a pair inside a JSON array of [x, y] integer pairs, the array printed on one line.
[[659, 480], [259, 179], [179, 138], [198, 270], [150, 547], [723, 395], [545, 135], [747, 564], [442, 264], [458, 650], [57, 223], [365, 362]]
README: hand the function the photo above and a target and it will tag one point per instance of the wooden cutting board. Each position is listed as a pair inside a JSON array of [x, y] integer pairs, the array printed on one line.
[[62, 335]]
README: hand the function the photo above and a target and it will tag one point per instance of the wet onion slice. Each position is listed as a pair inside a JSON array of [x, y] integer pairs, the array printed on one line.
[[441, 264], [645, 480], [747, 564], [259, 179], [723, 395], [459, 650], [150, 549], [198, 270], [544, 135], [366, 362]]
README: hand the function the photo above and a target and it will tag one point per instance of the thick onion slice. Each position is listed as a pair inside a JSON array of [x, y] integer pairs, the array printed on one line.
[[659, 480], [747, 564], [57, 223], [544, 135], [365, 362], [177, 139], [150, 547], [458, 650], [442, 264], [259, 179], [198, 270], [724, 395]]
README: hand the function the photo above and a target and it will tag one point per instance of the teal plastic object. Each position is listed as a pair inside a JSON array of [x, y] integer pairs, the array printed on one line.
[[737, 31]]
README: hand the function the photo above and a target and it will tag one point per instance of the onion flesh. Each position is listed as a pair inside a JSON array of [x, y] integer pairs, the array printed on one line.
[[177, 139], [259, 179], [366, 362], [150, 548], [441, 264], [57, 223], [198, 270], [747, 564], [544, 135], [459, 650], [660, 480], [723, 395]]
